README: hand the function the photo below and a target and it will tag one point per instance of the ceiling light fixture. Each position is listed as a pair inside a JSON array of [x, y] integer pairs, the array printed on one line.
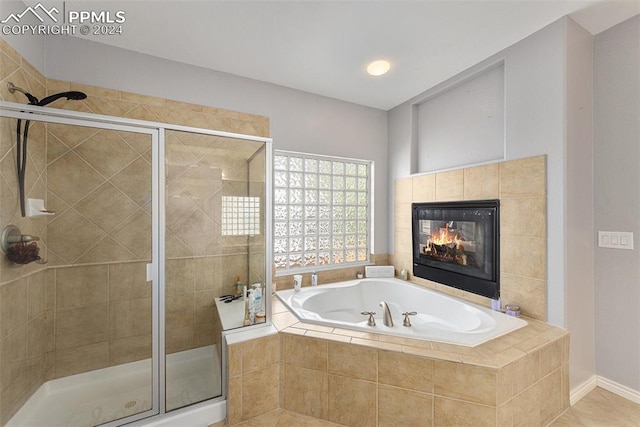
[[378, 68]]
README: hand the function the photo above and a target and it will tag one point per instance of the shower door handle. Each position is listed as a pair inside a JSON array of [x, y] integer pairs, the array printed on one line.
[[149, 272]]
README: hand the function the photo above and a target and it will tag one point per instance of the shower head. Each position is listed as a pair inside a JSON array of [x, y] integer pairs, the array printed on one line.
[[13, 88], [21, 142], [73, 95]]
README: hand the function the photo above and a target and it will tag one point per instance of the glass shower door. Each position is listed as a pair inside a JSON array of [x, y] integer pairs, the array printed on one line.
[[123, 310], [93, 324], [214, 227], [99, 242]]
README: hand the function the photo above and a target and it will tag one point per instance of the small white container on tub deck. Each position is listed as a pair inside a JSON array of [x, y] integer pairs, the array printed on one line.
[[297, 282]]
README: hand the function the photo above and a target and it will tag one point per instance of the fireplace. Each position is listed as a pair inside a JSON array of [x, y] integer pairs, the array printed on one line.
[[457, 244]]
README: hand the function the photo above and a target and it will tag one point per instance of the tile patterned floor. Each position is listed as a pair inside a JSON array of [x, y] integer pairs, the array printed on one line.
[[282, 418], [600, 408]]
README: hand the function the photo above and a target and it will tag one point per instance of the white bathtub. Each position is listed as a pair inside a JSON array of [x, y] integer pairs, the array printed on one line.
[[439, 317]]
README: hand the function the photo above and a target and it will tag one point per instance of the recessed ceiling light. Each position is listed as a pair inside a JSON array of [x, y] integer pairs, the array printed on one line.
[[378, 68]]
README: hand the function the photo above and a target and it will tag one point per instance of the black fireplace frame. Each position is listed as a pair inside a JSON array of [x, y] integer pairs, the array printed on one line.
[[488, 286]]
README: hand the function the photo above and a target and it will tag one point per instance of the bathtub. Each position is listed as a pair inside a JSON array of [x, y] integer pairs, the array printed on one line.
[[439, 317]]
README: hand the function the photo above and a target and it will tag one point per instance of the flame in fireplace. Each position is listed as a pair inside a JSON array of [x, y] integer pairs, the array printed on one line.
[[445, 237], [446, 245]]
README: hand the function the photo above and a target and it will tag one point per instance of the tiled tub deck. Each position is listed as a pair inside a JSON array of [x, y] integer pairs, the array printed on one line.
[[362, 379]]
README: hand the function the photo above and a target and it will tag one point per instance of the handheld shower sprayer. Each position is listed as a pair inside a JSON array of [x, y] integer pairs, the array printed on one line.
[[72, 95], [21, 143]]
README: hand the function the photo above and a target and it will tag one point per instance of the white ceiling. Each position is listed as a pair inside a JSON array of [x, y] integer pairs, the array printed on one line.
[[323, 47]]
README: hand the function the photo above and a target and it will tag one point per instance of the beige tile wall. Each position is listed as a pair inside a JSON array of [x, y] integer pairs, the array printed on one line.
[[25, 325], [18, 71], [356, 378], [102, 317], [104, 212], [191, 286], [517, 379], [253, 372], [368, 385], [54, 320], [521, 187], [204, 264], [26, 319]]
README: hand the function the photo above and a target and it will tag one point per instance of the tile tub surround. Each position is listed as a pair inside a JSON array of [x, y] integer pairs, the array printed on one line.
[[253, 375], [521, 187], [365, 379], [598, 407]]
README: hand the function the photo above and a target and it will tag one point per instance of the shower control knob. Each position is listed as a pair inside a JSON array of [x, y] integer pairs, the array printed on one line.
[[406, 314], [372, 320]]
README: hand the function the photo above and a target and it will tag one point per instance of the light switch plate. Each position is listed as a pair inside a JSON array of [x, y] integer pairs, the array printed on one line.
[[615, 239]]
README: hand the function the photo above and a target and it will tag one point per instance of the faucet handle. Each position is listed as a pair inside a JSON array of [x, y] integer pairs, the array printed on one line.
[[372, 320], [406, 314]]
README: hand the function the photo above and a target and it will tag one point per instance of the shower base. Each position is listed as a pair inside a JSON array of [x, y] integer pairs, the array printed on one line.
[[99, 396]]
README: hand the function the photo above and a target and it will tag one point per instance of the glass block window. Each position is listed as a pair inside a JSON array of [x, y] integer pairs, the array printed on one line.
[[321, 211], [240, 216]]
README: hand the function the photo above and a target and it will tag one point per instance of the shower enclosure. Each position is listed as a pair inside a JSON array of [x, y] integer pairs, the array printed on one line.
[[144, 225]]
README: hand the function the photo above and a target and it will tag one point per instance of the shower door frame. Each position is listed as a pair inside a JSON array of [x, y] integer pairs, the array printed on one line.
[[156, 130]]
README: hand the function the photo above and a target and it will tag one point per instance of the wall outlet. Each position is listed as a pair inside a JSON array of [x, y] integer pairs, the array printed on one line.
[[615, 239]]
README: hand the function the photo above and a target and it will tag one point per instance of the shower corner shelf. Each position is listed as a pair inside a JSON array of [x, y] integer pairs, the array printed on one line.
[[35, 207]]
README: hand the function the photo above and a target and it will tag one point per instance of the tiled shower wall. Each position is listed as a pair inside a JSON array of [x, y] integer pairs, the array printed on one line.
[[521, 187], [26, 319], [89, 307]]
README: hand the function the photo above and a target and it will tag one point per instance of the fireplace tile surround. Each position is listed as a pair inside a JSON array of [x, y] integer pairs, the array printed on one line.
[[521, 187]]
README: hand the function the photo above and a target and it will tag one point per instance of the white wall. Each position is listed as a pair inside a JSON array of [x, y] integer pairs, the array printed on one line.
[[472, 111], [535, 100], [536, 123], [578, 222], [617, 201], [300, 121]]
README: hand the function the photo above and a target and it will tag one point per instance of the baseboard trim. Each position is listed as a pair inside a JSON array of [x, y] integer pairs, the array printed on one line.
[[583, 389], [619, 389]]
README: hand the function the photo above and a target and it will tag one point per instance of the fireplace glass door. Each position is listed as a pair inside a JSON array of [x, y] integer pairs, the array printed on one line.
[[456, 243]]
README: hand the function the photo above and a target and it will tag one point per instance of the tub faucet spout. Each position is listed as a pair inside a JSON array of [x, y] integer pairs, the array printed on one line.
[[386, 314]]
